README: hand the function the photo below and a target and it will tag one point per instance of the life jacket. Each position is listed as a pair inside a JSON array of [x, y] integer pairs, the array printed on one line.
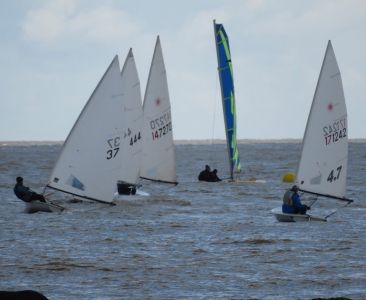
[[287, 198]]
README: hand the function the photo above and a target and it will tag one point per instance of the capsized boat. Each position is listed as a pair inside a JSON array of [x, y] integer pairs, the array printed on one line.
[[225, 69], [157, 158], [89, 163], [322, 167]]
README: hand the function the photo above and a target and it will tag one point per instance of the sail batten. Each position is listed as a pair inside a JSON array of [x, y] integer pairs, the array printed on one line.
[[227, 95]]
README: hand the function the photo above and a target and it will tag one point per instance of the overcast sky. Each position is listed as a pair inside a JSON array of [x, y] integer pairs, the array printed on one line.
[[53, 54]]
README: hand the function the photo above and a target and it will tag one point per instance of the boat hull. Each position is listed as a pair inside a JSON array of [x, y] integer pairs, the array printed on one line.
[[283, 217], [36, 206], [251, 180]]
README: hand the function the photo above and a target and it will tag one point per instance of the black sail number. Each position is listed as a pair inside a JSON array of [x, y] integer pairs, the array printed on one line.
[[110, 153], [114, 145], [332, 177]]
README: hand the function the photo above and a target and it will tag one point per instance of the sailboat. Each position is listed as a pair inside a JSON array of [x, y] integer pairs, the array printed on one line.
[[225, 70], [157, 157], [89, 163], [129, 177], [322, 167]]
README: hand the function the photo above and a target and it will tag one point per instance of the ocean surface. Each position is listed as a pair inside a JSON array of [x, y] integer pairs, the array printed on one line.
[[197, 240]]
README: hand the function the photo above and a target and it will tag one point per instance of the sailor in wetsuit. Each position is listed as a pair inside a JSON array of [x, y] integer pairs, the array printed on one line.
[[24, 193], [205, 174], [292, 203], [214, 177]]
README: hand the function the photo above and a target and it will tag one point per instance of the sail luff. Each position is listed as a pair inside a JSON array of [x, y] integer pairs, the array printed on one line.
[[227, 95], [231, 168], [311, 109]]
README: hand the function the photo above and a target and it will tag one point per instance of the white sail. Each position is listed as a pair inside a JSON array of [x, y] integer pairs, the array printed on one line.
[[90, 159], [131, 156], [322, 167], [157, 160]]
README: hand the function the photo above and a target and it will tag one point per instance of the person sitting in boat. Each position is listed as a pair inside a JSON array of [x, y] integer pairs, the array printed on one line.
[[214, 177], [25, 194], [126, 189], [292, 203], [205, 175]]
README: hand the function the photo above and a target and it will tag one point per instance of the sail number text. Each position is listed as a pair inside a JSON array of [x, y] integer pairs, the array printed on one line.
[[133, 140], [332, 177], [114, 144], [162, 131], [161, 121], [161, 126], [336, 132]]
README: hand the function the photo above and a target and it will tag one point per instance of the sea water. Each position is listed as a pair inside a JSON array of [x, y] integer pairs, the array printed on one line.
[[197, 240]]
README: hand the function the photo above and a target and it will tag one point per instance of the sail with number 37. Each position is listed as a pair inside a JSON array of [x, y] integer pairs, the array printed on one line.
[[90, 160]]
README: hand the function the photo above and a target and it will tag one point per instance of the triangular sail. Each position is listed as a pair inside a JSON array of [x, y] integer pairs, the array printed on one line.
[[225, 69], [322, 167], [131, 156], [157, 159], [89, 163]]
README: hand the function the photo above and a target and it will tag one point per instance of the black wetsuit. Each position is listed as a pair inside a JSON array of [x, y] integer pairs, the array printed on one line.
[[213, 178], [23, 193], [204, 175]]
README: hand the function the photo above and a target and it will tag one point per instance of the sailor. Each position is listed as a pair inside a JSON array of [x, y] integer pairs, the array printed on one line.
[[126, 189], [213, 176], [205, 174], [292, 203], [24, 193]]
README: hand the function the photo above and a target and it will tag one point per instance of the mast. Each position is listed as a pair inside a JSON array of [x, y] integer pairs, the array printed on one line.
[[227, 95]]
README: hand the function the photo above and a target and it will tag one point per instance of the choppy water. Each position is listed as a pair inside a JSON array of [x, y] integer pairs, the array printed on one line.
[[197, 240]]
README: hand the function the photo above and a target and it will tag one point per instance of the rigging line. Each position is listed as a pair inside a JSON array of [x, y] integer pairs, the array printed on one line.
[[169, 187], [100, 208], [213, 125], [313, 201], [337, 210]]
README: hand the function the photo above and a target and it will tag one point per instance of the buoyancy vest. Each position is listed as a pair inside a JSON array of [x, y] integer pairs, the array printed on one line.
[[287, 198]]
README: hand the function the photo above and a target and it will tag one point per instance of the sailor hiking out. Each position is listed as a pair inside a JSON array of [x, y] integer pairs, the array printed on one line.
[[24, 193]]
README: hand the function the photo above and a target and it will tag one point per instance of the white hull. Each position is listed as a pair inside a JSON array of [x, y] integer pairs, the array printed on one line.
[[36, 206], [250, 180], [283, 217]]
